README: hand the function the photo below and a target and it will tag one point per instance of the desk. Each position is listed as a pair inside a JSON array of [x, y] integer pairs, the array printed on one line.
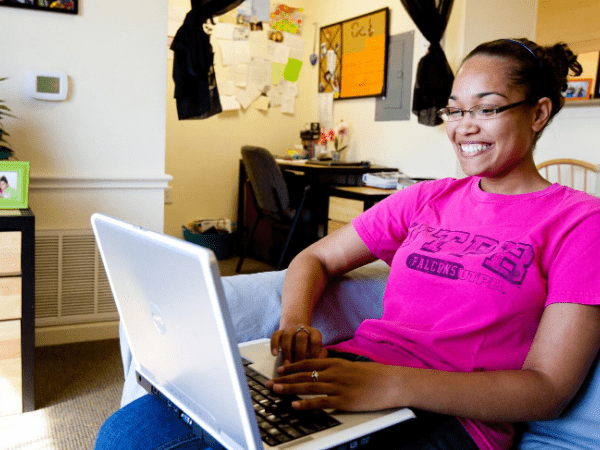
[[320, 178], [365, 194], [368, 195]]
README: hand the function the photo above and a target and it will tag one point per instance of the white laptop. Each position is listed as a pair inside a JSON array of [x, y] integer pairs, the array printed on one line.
[[170, 299]]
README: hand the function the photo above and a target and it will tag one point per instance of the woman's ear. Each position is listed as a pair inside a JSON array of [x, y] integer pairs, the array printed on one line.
[[543, 109]]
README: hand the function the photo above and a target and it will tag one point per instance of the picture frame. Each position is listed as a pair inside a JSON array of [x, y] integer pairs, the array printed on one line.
[[353, 56], [578, 89], [14, 184], [57, 6]]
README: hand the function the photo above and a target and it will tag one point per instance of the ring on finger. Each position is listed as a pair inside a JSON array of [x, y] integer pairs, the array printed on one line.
[[301, 328], [315, 375]]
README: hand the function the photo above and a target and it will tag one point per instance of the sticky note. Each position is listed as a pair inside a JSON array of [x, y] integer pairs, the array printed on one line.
[[292, 70]]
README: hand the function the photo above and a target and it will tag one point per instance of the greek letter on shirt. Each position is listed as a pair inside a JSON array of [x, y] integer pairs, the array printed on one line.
[[508, 260]]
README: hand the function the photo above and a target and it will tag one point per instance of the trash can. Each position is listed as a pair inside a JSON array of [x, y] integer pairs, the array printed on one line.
[[222, 243]]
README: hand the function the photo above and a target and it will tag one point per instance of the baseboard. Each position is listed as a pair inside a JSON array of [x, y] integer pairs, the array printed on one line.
[[68, 334]]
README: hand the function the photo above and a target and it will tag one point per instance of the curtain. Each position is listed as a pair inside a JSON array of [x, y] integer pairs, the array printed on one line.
[[196, 91], [433, 83]]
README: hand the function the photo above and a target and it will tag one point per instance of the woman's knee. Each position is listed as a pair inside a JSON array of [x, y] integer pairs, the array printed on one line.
[[146, 424]]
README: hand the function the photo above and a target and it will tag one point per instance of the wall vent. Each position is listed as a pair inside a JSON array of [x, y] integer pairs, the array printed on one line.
[[71, 285]]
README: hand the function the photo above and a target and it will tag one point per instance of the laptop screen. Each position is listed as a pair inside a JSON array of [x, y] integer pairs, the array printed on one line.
[[169, 297]]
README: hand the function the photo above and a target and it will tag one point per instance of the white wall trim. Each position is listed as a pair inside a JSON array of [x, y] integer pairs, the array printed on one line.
[[65, 183], [68, 334]]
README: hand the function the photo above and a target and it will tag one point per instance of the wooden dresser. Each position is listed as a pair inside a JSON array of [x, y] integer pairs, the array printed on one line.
[[17, 314]]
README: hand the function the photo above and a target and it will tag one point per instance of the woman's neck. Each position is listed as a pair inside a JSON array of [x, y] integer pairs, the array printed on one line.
[[522, 180]]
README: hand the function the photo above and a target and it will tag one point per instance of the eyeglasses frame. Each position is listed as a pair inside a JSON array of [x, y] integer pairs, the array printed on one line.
[[471, 111]]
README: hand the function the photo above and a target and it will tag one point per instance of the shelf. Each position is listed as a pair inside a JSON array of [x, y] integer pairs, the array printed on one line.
[[592, 102]]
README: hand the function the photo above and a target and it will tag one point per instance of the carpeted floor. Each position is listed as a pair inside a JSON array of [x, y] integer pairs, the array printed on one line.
[[77, 387]]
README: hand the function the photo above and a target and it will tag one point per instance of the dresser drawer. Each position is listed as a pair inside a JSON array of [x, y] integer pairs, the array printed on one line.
[[10, 298], [10, 253], [11, 387]]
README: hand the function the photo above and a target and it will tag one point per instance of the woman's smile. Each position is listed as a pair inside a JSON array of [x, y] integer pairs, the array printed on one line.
[[470, 149]]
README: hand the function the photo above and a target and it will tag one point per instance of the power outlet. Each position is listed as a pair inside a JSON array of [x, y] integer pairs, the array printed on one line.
[[168, 196]]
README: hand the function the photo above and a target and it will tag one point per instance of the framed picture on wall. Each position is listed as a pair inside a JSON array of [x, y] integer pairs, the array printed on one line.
[[14, 184], [59, 6], [578, 89], [353, 56]]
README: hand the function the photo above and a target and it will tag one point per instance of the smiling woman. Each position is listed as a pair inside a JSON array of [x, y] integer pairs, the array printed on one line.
[[491, 312], [511, 95]]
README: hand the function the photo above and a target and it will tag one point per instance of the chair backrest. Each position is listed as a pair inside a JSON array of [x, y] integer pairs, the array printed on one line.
[[266, 179], [580, 175]]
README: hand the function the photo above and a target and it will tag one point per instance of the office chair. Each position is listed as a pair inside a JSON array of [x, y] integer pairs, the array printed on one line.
[[580, 175], [270, 197]]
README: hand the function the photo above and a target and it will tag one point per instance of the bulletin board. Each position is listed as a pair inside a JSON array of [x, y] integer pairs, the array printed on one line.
[[353, 56]]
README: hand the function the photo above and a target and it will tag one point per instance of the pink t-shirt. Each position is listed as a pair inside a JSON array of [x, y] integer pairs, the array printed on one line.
[[471, 273]]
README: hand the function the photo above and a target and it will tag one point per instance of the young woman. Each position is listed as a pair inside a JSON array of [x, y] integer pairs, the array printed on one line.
[[491, 311]]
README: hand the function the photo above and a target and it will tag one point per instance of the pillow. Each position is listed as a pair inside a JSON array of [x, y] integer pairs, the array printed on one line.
[[578, 428]]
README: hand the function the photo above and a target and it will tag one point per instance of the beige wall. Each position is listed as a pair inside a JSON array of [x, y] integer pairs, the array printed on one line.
[[203, 155], [111, 127]]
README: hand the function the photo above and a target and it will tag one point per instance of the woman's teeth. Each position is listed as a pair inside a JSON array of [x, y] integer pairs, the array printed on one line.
[[473, 148]]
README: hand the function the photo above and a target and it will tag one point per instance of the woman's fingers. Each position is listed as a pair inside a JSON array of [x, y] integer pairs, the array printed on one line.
[[297, 343]]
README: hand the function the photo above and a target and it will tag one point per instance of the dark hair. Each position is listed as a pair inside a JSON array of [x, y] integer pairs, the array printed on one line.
[[4, 179], [539, 71]]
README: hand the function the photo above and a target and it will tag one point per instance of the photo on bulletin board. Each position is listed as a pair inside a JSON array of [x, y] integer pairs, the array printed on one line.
[[59, 6], [353, 56], [14, 184]]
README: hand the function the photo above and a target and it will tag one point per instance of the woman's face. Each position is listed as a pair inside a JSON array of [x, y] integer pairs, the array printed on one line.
[[497, 147], [3, 185]]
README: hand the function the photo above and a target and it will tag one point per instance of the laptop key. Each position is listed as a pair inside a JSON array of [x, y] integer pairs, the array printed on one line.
[[277, 420]]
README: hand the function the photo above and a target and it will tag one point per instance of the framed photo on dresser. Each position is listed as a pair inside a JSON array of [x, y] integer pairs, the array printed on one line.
[[14, 184]]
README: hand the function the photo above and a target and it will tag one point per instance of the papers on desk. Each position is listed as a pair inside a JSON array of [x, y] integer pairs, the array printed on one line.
[[387, 180]]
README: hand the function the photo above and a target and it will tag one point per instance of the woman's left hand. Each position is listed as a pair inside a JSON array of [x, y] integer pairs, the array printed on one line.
[[340, 384]]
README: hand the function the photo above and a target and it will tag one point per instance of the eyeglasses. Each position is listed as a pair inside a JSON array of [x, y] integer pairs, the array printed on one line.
[[477, 112]]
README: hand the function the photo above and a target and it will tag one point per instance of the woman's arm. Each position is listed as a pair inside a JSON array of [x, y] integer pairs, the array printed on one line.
[[305, 280], [564, 347]]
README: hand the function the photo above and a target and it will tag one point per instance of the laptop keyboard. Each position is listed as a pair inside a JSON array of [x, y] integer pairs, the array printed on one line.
[[277, 420]]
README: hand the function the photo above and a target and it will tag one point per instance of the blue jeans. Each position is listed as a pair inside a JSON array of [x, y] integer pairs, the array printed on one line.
[[148, 424]]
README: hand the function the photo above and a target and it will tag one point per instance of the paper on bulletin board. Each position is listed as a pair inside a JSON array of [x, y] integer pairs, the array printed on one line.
[[236, 74], [262, 103], [235, 52], [229, 103], [278, 52], [287, 18], [396, 103], [277, 71], [259, 74], [258, 44], [247, 96], [260, 9], [292, 70]]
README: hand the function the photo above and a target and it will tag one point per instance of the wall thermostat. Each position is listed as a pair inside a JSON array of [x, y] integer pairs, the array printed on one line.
[[52, 86]]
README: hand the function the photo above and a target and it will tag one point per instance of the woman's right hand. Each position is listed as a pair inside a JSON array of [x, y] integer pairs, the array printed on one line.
[[298, 343]]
